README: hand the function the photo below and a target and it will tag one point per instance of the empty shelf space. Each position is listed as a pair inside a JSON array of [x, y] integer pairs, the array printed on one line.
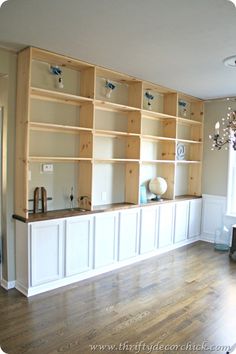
[[115, 76], [57, 59], [58, 158]]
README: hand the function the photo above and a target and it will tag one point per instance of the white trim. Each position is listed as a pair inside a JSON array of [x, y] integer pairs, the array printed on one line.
[[230, 183], [213, 212], [206, 238], [230, 215], [7, 285], [21, 288], [90, 274]]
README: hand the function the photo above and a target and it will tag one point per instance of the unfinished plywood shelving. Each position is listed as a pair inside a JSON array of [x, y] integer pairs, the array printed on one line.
[[102, 145], [117, 138], [189, 140]]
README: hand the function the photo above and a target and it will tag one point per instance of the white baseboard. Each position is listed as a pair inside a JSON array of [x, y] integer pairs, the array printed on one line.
[[207, 238], [7, 285], [21, 288]]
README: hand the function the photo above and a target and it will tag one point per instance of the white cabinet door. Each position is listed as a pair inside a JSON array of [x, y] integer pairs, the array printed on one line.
[[128, 233], [105, 243], [181, 221], [195, 212], [79, 244], [148, 229], [46, 239], [166, 214]]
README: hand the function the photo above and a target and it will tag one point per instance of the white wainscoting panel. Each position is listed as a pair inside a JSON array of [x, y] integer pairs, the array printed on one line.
[[213, 212]]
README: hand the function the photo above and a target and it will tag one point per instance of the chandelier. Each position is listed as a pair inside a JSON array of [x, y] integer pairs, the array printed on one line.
[[228, 135], [2, 1]]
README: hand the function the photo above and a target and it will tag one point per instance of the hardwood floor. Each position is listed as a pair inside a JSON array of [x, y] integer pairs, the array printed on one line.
[[183, 297]]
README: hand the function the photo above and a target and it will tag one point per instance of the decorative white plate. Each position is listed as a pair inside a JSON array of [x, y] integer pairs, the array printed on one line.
[[180, 152]]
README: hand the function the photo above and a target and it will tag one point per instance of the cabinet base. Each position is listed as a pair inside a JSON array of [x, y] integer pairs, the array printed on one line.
[[89, 274]]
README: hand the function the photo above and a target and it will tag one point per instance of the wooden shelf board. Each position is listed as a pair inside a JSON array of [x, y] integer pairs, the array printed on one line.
[[148, 162], [188, 162], [156, 115], [186, 197], [188, 141], [113, 133], [113, 206], [58, 159], [156, 88], [164, 200], [114, 107], [57, 127], [98, 160], [57, 59], [183, 96], [60, 97], [188, 121], [157, 138], [115, 76], [64, 213]]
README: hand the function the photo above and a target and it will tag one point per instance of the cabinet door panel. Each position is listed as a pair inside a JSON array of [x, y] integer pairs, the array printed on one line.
[[166, 213], [181, 221], [46, 251], [195, 213], [149, 220], [79, 245], [128, 234], [105, 246]]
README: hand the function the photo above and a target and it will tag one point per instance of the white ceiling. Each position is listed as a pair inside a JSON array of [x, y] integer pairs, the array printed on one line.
[[176, 43]]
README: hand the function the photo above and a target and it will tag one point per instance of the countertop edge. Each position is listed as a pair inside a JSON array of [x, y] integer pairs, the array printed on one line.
[[66, 213]]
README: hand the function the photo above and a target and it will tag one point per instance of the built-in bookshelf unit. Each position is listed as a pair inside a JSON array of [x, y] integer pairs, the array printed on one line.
[[100, 135]]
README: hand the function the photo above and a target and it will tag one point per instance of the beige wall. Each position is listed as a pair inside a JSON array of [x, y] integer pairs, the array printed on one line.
[[215, 163], [7, 99]]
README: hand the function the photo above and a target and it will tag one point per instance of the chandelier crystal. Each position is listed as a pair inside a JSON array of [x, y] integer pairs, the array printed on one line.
[[233, 1], [2, 1], [228, 134]]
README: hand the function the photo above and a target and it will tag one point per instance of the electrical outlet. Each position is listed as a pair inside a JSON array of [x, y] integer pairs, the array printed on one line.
[[46, 167], [104, 196]]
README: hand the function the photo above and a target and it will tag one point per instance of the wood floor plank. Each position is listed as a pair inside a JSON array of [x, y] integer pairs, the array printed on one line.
[[184, 296]]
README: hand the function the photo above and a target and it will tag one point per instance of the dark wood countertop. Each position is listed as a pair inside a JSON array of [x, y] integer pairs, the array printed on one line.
[[65, 213]]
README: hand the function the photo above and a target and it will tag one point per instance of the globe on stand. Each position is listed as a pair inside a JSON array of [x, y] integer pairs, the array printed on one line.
[[158, 186]]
